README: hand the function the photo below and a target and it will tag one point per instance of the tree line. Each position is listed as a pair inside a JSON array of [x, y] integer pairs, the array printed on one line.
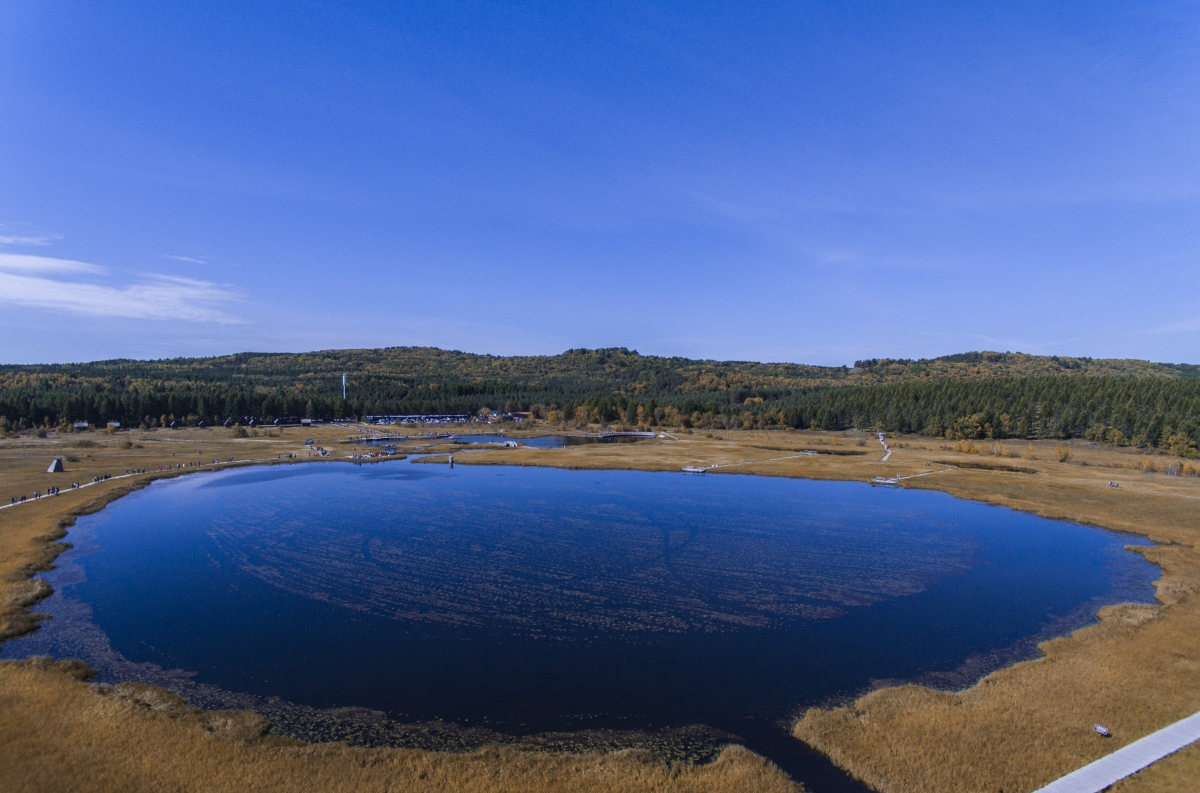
[[966, 396]]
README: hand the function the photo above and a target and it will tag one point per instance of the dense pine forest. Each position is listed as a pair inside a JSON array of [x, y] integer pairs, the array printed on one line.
[[968, 396]]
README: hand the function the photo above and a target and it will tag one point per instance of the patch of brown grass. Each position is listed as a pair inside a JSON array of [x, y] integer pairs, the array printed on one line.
[[61, 734]]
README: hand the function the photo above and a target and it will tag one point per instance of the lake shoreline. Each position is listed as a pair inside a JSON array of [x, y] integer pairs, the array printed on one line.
[[1042, 495], [1025, 725]]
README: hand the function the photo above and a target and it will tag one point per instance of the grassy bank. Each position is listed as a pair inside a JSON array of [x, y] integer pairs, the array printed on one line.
[[1135, 672], [60, 734]]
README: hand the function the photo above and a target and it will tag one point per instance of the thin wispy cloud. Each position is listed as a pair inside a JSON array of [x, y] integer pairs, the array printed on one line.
[[28, 263], [188, 259], [848, 258], [31, 281], [29, 239], [1187, 325]]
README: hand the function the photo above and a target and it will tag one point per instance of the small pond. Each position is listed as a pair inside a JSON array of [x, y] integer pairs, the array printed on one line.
[[527, 600], [534, 441]]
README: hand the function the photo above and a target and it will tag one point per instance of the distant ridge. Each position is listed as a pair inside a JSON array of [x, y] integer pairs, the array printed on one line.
[[981, 394], [414, 359]]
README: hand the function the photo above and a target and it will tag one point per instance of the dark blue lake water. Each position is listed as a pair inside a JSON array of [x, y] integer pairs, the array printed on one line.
[[534, 599], [536, 441], [551, 441]]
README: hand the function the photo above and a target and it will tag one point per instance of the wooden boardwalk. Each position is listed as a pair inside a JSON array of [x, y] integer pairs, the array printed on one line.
[[1096, 776]]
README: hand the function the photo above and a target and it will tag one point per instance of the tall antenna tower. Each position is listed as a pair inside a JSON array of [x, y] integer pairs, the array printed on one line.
[[343, 386]]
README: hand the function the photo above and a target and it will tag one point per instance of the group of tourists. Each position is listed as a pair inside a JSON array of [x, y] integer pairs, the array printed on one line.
[[50, 491], [53, 491]]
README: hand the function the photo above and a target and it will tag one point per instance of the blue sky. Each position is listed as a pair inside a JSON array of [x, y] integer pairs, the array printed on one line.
[[809, 182]]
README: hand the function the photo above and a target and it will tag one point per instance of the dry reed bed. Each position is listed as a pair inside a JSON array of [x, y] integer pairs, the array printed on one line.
[[59, 734]]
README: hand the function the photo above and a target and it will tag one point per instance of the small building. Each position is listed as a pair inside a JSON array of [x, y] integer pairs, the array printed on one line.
[[79, 426], [56, 466]]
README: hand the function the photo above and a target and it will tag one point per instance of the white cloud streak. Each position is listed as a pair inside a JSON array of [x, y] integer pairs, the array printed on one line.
[[1187, 325], [29, 239], [187, 259], [27, 263], [24, 281]]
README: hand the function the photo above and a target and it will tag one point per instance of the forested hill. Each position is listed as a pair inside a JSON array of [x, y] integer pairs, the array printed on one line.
[[977, 394]]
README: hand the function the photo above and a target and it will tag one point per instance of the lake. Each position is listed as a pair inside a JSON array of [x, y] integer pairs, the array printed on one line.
[[354, 601], [533, 441]]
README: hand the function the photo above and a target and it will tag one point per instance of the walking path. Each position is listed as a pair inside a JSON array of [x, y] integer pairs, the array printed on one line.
[[1096, 776], [926, 473], [749, 462], [147, 472], [892, 480], [1158, 493], [143, 472], [1121, 489]]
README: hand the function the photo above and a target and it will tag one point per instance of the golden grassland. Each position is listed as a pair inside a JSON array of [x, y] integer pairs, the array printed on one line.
[[1136, 671], [59, 734]]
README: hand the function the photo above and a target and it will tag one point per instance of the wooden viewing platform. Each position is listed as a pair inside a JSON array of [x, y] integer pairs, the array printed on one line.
[[1130, 759]]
